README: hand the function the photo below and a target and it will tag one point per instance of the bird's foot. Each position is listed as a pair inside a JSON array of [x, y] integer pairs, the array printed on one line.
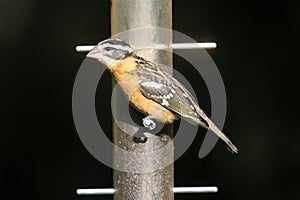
[[149, 123]]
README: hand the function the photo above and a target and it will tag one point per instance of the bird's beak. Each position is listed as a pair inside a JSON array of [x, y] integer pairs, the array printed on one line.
[[93, 53]]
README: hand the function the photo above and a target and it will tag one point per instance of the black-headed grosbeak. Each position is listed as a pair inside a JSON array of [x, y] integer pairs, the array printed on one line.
[[150, 88]]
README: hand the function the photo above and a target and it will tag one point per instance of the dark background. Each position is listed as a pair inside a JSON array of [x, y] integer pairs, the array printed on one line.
[[41, 154]]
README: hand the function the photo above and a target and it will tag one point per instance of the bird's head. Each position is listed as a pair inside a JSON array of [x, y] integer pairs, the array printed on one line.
[[110, 50]]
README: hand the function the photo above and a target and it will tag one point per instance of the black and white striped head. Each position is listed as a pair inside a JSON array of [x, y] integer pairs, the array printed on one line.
[[110, 50]]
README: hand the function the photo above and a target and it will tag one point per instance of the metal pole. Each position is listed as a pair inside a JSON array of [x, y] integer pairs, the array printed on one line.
[[187, 46], [157, 184], [177, 190]]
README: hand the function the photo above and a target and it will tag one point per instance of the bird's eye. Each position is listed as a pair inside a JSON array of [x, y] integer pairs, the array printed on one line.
[[109, 49]]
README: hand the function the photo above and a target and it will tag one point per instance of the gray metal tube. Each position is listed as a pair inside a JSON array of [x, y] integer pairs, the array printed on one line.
[[156, 183]]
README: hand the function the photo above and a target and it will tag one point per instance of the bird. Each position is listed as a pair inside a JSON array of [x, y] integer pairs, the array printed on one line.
[[151, 88]]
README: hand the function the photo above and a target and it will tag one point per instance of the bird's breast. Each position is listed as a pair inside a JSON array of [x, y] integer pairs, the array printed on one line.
[[129, 82]]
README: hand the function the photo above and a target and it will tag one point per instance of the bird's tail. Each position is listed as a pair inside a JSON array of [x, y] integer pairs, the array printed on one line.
[[221, 135]]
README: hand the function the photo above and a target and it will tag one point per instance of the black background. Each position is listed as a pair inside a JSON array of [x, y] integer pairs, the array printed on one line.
[[42, 156]]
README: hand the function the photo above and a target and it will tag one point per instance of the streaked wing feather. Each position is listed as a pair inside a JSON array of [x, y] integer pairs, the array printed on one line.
[[165, 90]]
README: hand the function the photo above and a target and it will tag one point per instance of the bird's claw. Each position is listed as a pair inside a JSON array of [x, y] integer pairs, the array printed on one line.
[[149, 123]]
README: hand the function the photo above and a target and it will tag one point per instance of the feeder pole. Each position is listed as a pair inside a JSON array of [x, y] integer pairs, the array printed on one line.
[[157, 184]]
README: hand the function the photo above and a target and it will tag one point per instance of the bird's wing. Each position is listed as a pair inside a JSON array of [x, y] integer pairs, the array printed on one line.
[[160, 86]]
